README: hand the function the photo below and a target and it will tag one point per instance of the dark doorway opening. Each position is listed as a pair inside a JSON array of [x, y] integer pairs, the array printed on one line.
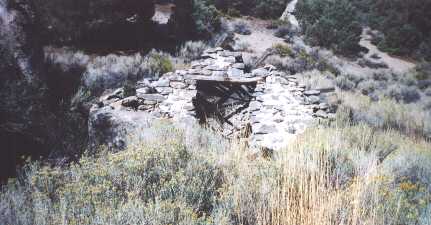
[[218, 103]]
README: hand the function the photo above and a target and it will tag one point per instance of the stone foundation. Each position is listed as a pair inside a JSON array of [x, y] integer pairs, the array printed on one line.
[[266, 106]]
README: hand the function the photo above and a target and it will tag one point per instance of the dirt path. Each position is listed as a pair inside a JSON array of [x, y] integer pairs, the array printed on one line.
[[288, 14], [397, 65], [374, 54], [260, 38]]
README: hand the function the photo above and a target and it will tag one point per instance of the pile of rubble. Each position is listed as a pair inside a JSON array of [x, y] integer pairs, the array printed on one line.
[[266, 105]]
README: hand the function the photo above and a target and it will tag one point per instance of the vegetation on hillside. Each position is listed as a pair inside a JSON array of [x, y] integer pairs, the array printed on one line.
[[330, 24], [195, 18], [336, 24], [339, 174], [406, 25], [258, 8], [370, 166]]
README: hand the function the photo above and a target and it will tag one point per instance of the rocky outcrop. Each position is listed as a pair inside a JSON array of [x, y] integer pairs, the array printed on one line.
[[24, 120], [266, 106], [32, 123]]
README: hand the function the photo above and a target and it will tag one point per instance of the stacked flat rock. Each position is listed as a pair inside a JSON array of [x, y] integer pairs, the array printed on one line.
[[279, 110]]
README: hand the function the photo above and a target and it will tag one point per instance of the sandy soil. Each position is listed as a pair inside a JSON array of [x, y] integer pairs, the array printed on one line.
[[163, 13], [261, 38]]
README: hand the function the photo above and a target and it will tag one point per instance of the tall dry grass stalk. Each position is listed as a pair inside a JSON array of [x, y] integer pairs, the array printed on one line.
[[311, 196], [302, 185]]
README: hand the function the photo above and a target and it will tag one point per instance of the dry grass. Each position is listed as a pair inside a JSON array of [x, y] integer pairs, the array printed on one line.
[[410, 119], [331, 176], [334, 175]]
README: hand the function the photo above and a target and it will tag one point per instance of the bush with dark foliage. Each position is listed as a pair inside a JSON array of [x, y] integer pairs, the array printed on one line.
[[259, 8], [406, 25], [195, 18], [69, 20], [331, 24]]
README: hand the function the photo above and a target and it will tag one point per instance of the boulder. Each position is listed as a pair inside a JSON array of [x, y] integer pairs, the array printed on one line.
[[113, 128], [311, 92], [261, 72], [178, 85]]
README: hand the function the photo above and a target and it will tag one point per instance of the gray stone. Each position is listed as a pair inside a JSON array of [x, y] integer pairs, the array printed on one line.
[[217, 67], [321, 114], [254, 106], [214, 50], [260, 72], [145, 90], [229, 59], [209, 56], [266, 129], [313, 99], [194, 71], [206, 72], [240, 66], [323, 106], [164, 90], [192, 87], [226, 53], [189, 107], [270, 67], [162, 82], [278, 120], [311, 92], [152, 97], [178, 85], [143, 83], [191, 82], [180, 72], [145, 107], [219, 73], [196, 65], [233, 72]]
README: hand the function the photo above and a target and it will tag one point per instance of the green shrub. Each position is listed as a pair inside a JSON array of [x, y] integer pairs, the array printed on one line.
[[195, 18], [283, 50], [192, 50], [386, 113], [158, 63], [343, 173], [232, 12], [330, 24], [259, 8], [406, 25], [152, 183]]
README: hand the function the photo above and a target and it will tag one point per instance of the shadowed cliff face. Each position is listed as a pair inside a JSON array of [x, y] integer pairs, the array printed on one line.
[[94, 23], [36, 119], [31, 121], [35, 99], [23, 117]]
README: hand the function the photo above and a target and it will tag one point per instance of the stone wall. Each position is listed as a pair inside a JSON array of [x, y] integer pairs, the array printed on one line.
[[266, 106]]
